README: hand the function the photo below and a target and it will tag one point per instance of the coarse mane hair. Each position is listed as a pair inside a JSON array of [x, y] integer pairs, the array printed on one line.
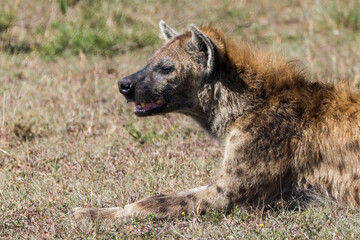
[[264, 70]]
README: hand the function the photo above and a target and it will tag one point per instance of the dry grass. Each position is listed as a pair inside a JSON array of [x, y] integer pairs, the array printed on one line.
[[67, 137]]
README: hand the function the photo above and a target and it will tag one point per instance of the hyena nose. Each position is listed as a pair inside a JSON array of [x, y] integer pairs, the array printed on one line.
[[125, 86]]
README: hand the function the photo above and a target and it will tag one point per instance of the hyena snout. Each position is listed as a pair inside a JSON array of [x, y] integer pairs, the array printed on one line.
[[126, 86]]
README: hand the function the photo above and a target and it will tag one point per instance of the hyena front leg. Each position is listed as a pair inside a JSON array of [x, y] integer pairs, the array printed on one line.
[[162, 206], [193, 201], [98, 213], [231, 188], [234, 186], [170, 205], [250, 177]]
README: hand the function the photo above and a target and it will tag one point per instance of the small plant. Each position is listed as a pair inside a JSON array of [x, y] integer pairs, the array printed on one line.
[[29, 126], [144, 136], [63, 4], [6, 20], [7, 17], [151, 217], [341, 14], [215, 215]]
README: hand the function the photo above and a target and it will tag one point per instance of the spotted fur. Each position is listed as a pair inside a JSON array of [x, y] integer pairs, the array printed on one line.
[[283, 134]]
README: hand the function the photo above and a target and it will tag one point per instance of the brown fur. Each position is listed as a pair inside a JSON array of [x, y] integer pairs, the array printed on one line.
[[282, 133]]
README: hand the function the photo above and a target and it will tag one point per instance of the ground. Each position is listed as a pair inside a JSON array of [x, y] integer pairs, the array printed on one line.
[[68, 139]]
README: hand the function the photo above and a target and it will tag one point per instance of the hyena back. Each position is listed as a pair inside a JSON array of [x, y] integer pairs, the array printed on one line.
[[283, 134]]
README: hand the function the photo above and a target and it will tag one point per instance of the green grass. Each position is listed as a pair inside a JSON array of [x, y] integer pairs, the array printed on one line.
[[337, 15], [6, 20], [96, 31], [68, 139], [67, 38]]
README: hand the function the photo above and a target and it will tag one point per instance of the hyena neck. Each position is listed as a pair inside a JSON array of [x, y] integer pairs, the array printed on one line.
[[240, 86], [244, 77], [220, 104]]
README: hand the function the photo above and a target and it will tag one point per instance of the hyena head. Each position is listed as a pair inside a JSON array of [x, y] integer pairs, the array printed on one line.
[[171, 79]]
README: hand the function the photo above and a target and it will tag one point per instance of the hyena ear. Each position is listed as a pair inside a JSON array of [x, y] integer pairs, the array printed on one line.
[[167, 31], [203, 44]]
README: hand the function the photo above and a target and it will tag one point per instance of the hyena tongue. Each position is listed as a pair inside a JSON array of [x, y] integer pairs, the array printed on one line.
[[149, 106]]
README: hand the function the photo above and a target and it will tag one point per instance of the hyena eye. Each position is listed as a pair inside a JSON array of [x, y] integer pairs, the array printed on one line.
[[164, 69]]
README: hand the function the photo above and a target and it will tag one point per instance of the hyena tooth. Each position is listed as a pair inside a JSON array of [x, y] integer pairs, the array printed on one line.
[[159, 101], [143, 105]]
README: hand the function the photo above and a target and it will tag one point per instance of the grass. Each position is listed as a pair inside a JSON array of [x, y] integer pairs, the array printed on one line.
[[341, 15], [68, 139], [96, 32]]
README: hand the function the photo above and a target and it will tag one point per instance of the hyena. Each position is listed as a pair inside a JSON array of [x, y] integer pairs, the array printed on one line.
[[282, 133]]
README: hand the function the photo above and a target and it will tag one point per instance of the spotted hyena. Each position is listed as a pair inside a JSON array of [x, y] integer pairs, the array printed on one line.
[[282, 133]]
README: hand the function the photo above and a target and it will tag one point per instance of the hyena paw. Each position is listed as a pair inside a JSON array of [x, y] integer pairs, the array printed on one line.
[[98, 213]]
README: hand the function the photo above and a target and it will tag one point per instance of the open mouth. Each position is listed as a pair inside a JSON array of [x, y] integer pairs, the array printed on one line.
[[143, 109]]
